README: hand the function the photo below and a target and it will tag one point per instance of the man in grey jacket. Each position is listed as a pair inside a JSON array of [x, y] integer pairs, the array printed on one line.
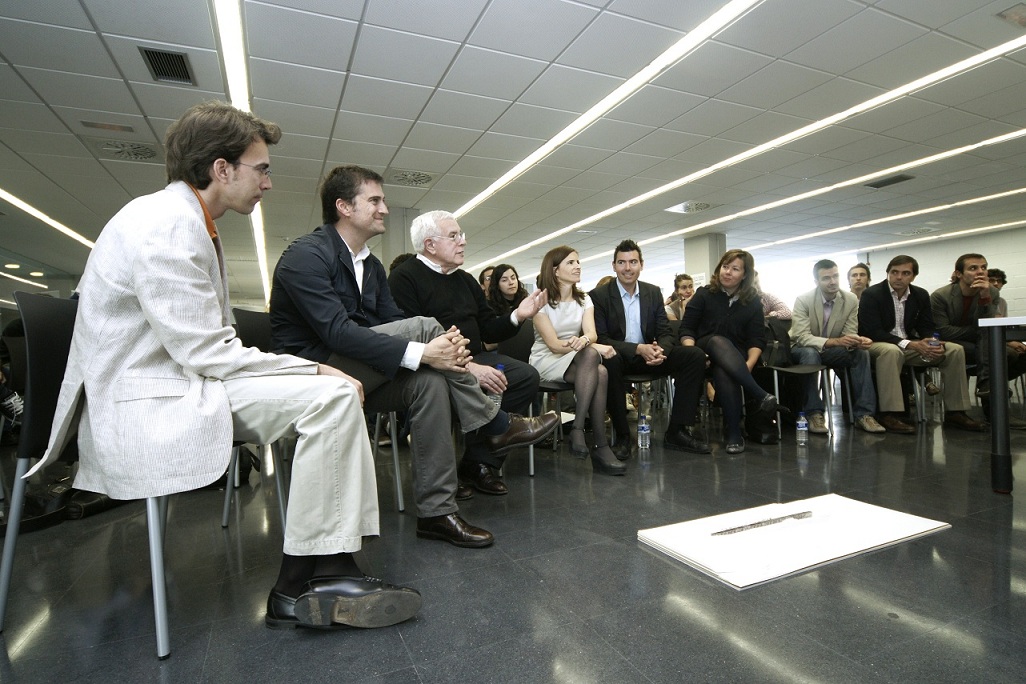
[[158, 385], [824, 330]]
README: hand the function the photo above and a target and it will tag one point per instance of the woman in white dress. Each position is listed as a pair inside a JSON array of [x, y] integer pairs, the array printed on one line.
[[565, 350]]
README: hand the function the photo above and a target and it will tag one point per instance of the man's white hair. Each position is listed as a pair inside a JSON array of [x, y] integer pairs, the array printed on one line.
[[425, 226]]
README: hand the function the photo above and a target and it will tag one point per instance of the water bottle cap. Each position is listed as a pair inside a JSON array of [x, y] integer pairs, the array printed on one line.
[[500, 367]]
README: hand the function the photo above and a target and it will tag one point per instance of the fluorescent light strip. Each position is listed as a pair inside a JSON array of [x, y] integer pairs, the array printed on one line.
[[32, 211], [722, 18], [233, 51], [7, 301], [33, 283], [957, 233], [880, 100], [887, 219]]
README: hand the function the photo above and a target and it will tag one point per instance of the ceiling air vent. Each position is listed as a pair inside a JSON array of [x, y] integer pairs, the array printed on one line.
[[168, 67], [691, 207], [912, 232], [409, 179], [125, 150], [890, 180]]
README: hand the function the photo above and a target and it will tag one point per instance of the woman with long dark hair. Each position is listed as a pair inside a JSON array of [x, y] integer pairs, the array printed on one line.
[[725, 320], [565, 350], [505, 291]]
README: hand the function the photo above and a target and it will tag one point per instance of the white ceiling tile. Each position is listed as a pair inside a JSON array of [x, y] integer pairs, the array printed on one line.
[[681, 16], [294, 118], [346, 9], [665, 142], [184, 22], [29, 116], [400, 56], [930, 127], [913, 60], [428, 161], [492, 74], [79, 51], [713, 117], [627, 163], [12, 87], [58, 14], [712, 68], [601, 47], [765, 127], [478, 168], [576, 156], [934, 14], [385, 98], [569, 89], [429, 136], [463, 110], [295, 84], [507, 147], [896, 113], [856, 41], [772, 29], [297, 37], [774, 85], [527, 120], [449, 19], [542, 30], [832, 97], [164, 101], [371, 128], [77, 90], [655, 106], [363, 154], [302, 146], [612, 135]]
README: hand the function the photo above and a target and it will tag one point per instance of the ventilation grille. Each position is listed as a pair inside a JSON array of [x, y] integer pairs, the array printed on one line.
[[125, 150], [408, 178], [691, 207], [168, 67], [1016, 14], [917, 231], [890, 180]]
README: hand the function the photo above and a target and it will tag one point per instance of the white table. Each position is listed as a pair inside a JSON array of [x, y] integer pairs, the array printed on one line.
[[1001, 330]]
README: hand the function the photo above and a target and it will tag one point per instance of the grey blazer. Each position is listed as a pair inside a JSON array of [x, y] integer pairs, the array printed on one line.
[[807, 319], [153, 342]]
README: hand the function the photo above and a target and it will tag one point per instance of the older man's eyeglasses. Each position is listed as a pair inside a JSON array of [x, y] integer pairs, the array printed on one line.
[[455, 237], [263, 169]]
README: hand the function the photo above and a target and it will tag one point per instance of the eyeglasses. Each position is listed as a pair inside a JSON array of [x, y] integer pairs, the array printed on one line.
[[264, 169], [457, 238]]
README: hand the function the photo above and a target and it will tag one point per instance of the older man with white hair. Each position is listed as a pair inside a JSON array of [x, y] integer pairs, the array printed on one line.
[[434, 285]]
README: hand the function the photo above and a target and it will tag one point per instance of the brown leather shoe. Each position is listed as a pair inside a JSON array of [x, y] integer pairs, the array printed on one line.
[[522, 432], [959, 420], [480, 477], [464, 492], [455, 530], [895, 424]]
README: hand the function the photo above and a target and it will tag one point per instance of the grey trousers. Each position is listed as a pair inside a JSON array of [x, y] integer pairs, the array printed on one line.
[[430, 398]]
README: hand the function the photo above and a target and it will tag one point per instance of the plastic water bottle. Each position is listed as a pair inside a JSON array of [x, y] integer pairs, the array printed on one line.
[[496, 397], [644, 432], [935, 341], [802, 429]]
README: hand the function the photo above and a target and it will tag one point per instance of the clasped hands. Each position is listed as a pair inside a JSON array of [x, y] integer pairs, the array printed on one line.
[[652, 353], [449, 351], [850, 342]]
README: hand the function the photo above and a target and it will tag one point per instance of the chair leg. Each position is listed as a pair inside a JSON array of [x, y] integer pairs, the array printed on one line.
[[10, 542], [229, 489], [395, 461], [156, 510], [827, 380], [776, 393], [530, 449]]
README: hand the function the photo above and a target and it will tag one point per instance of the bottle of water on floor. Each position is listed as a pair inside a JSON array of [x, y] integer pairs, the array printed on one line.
[[496, 397], [644, 432], [802, 429]]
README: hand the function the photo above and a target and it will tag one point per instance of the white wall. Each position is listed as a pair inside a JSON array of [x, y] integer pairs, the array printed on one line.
[[1003, 249]]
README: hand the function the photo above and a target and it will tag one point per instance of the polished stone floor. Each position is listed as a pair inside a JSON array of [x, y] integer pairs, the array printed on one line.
[[566, 594]]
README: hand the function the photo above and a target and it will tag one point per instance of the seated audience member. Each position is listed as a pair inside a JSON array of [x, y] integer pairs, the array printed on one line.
[[434, 285], [505, 291], [565, 350], [725, 320], [957, 310], [400, 259], [604, 280], [824, 330], [858, 279], [998, 279], [330, 302], [772, 305], [158, 385], [628, 313], [485, 278], [683, 290], [896, 315]]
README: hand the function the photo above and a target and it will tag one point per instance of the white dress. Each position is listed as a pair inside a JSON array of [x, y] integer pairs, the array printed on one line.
[[566, 318]]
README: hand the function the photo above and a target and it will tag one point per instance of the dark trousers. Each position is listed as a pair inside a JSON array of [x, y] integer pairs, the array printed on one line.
[[685, 365]]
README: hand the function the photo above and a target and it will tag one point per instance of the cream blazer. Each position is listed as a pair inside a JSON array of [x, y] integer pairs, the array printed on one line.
[[153, 342], [807, 319]]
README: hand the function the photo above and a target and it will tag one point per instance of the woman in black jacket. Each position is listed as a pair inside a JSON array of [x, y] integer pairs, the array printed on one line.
[[724, 319]]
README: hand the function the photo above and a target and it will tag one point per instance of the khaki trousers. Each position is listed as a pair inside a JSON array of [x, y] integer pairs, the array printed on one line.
[[889, 359]]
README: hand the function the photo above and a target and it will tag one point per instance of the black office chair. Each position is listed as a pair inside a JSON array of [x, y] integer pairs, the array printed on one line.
[[49, 324]]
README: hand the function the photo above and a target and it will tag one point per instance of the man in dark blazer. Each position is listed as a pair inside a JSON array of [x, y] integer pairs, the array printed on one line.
[[630, 317], [908, 339], [330, 302]]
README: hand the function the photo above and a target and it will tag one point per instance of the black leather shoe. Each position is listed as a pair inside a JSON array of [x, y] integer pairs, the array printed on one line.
[[623, 451], [603, 461], [355, 601], [480, 477], [522, 432], [455, 530], [281, 614], [768, 404], [464, 492], [686, 438]]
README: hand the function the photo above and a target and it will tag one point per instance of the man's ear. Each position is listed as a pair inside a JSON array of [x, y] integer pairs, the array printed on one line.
[[343, 208]]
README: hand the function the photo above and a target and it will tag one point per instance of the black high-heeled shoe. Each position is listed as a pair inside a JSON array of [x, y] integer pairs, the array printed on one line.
[[604, 461], [576, 451]]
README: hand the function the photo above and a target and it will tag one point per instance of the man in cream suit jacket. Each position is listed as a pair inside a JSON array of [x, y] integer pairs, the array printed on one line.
[[158, 385], [824, 330]]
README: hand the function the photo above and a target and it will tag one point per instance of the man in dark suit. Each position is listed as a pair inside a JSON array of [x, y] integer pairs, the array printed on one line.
[[330, 302], [630, 317], [897, 316]]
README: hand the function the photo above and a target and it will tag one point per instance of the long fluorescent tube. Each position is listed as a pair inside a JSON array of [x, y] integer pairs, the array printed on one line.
[[228, 16], [32, 211], [33, 283], [880, 100], [722, 18]]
